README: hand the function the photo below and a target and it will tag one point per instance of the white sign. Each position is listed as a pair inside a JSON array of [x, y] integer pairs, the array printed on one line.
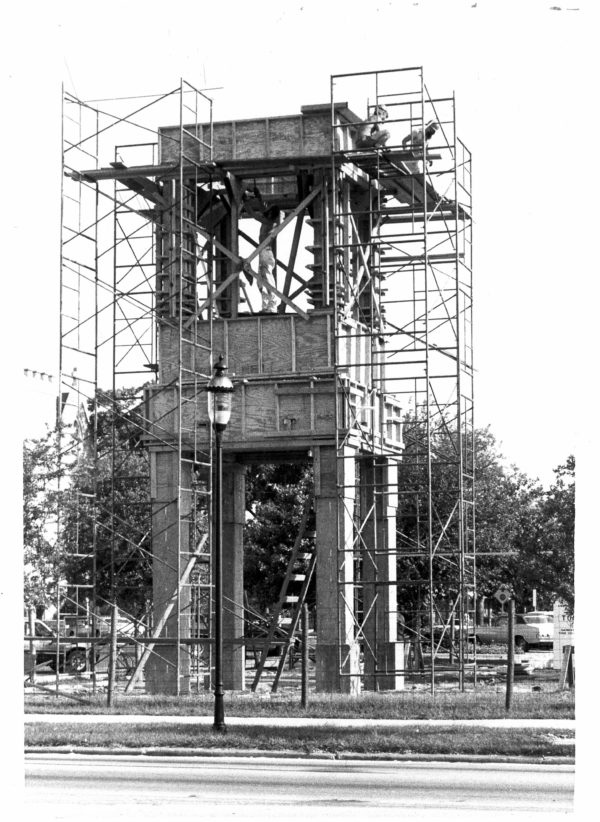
[[503, 594], [564, 634]]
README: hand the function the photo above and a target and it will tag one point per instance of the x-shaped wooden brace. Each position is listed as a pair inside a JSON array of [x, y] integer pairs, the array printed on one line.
[[241, 262]]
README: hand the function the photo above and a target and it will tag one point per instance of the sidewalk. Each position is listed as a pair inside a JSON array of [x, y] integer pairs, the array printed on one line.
[[297, 722]]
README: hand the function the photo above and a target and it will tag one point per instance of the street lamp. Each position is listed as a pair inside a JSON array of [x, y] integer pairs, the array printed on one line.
[[220, 390]]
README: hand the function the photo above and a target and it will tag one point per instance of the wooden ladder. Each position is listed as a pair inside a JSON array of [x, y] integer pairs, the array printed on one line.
[[286, 599]]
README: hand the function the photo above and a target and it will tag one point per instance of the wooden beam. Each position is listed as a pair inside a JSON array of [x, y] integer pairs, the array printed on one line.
[[234, 189], [142, 185], [235, 257], [259, 279], [292, 259], [95, 174], [298, 291], [279, 228], [243, 262], [232, 239], [365, 259], [280, 263], [246, 167]]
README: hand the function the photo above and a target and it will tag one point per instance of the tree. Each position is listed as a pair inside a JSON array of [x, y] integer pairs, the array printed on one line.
[[41, 473], [492, 490], [275, 498], [540, 536], [507, 506], [556, 558], [107, 513], [524, 534]]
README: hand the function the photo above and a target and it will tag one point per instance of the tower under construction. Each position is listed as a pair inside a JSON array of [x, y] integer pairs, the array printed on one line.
[[326, 255]]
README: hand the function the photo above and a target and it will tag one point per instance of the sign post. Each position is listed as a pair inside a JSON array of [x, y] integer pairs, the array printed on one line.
[[510, 659], [502, 595]]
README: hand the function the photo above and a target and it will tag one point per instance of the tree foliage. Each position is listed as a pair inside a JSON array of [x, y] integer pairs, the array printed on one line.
[[539, 533], [41, 473], [107, 513], [525, 534], [275, 499]]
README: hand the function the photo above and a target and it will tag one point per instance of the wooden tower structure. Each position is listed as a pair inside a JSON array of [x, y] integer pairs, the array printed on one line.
[[334, 276]]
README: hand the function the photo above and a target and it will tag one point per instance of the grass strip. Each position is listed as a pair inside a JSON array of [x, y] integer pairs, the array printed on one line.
[[457, 740], [403, 705]]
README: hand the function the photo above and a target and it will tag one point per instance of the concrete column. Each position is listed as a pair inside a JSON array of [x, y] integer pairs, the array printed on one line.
[[171, 501], [234, 488], [383, 654], [337, 654]]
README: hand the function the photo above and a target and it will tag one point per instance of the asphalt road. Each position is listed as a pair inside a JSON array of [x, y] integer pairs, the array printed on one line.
[[202, 788]]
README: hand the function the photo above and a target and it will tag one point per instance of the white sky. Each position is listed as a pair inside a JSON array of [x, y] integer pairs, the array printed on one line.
[[519, 71], [526, 92]]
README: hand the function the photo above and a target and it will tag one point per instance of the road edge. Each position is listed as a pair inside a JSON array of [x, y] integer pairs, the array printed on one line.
[[284, 754]]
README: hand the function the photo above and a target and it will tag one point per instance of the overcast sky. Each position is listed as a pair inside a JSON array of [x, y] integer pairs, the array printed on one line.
[[520, 71]]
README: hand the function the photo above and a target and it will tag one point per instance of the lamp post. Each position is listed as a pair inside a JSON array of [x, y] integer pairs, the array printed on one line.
[[220, 390]]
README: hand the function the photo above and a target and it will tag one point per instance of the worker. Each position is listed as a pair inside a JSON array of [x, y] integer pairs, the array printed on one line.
[[369, 134], [416, 140], [268, 217]]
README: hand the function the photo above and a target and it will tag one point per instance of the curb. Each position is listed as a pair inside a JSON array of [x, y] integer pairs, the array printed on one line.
[[283, 754]]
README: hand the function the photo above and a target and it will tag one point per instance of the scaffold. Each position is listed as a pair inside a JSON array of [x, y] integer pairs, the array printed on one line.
[[360, 364], [410, 237], [129, 266]]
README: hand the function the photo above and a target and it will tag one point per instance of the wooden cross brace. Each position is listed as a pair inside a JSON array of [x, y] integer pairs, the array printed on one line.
[[241, 263]]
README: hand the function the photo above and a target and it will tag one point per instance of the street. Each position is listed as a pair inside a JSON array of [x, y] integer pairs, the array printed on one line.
[[140, 787]]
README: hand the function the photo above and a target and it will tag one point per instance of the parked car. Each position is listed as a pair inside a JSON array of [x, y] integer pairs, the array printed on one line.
[[443, 632], [75, 653], [73, 657], [535, 629]]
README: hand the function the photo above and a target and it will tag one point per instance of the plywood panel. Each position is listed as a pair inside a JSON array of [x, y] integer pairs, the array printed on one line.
[[289, 136], [312, 344], [243, 354], [261, 410], [250, 140], [194, 354], [285, 137], [282, 337], [303, 134], [167, 353], [201, 355], [162, 412], [276, 344], [324, 410], [222, 140], [317, 134], [295, 412]]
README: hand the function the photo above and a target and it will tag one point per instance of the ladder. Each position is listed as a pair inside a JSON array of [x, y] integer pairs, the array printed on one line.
[[292, 575]]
